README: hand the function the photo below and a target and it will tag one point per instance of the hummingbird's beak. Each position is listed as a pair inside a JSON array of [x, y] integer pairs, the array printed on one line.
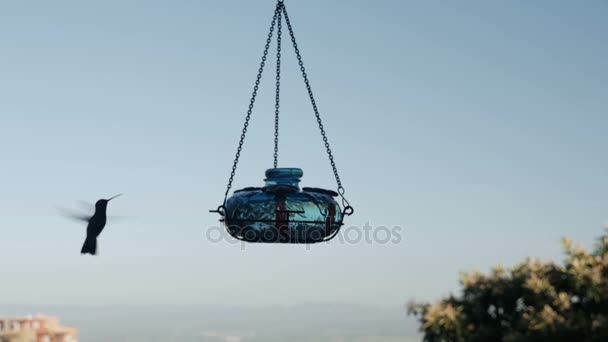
[[111, 198]]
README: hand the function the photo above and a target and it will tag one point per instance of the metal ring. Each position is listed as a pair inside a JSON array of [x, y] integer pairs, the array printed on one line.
[[348, 210], [220, 210]]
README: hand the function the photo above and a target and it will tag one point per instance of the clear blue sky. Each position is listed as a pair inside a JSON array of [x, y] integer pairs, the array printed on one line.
[[478, 126]]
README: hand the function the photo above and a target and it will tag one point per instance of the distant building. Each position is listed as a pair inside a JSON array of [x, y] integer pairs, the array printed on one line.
[[35, 329]]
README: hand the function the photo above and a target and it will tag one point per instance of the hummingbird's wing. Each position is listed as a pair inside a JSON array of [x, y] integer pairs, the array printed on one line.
[[74, 215]]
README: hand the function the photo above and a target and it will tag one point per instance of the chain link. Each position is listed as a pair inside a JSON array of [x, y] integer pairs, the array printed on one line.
[[314, 106], [252, 101], [278, 91]]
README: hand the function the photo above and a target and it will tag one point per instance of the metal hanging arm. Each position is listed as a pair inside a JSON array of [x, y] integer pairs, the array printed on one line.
[[348, 210]]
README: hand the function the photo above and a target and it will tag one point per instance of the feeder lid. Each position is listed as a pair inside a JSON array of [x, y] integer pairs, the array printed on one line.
[[284, 172]]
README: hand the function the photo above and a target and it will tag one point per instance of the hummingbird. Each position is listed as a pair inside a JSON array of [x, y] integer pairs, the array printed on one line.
[[96, 223]]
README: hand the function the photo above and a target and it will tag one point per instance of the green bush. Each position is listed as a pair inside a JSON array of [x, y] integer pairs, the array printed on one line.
[[533, 301]]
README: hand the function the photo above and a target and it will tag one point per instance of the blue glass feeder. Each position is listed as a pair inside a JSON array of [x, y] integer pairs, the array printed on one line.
[[281, 212]]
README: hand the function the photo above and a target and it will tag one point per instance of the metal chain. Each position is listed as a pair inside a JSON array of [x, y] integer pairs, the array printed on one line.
[[251, 103], [314, 106], [279, 12], [278, 84]]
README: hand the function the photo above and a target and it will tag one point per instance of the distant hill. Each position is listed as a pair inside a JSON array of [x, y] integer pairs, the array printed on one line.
[[298, 323]]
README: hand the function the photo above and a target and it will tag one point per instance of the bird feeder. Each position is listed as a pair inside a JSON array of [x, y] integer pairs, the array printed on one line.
[[279, 211]]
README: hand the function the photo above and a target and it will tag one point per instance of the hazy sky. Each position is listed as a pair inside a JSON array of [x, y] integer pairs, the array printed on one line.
[[479, 127]]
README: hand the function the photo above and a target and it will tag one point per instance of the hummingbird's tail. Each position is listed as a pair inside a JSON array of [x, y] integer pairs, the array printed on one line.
[[89, 246]]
